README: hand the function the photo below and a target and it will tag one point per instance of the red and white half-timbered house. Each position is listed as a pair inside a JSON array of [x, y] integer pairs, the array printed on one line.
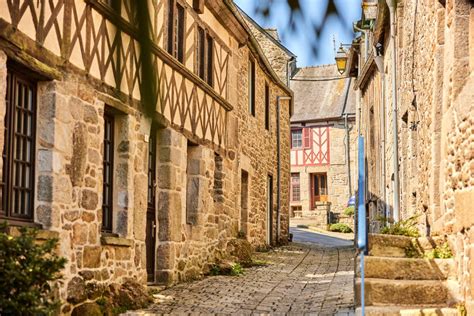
[[322, 144]]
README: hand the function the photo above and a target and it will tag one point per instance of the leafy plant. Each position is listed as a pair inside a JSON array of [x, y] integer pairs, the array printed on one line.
[[440, 252], [403, 228], [241, 234], [236, 269], [215, 270], [340, 227], [27, 269], [349, 211]]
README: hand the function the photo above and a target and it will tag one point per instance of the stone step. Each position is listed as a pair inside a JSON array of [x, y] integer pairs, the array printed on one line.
[[388, 245], [403, 292], [407, 311], [408, 268]]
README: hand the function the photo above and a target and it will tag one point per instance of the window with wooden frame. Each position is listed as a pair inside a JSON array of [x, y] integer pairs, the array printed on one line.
[[108, 172], [267, 106], [205, 56], [252, 86], [176, 15], [297, 138], [295, 187], [18, 176]]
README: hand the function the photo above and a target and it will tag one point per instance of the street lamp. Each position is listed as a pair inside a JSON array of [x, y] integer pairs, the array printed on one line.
[[341, 60]]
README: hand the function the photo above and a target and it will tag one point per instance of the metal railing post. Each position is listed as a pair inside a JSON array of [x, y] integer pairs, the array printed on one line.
[[361, 220]]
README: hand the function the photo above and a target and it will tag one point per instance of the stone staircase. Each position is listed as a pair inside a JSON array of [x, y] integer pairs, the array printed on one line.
[[398, 281]]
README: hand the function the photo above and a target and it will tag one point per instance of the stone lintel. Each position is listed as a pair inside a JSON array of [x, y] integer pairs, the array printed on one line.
[[116, 241]]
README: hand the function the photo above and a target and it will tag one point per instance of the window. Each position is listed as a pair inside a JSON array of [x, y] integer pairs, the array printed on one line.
[[17, 182], [176, 30], [205, 56], [252, 87], [267, 106], [108, 172], [295, 187], [296, 138]]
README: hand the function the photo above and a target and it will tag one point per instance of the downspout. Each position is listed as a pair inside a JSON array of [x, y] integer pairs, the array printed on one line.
[[381, 68], [279, 167], [347, 140], [348, 157], [396, 181], [288, 73]]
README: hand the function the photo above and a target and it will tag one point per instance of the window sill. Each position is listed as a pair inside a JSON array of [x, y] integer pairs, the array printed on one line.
[[14, 230], [107, 239]]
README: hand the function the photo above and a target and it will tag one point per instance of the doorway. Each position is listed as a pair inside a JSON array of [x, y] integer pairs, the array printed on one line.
[[269, 209], [319, 188], [150, 240]]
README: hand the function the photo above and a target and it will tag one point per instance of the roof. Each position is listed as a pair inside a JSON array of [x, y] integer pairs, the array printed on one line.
[[320, 93], [271, 33]]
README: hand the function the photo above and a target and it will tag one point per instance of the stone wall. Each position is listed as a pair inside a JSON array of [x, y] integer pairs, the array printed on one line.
[[257, 148], [276, 56], [435, 49], [197, 185]]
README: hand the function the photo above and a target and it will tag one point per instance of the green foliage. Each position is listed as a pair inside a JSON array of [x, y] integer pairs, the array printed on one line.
[[215, 270], [349, 211], [461, 309], [403, 228], [412, 252], [440, 252], [26, 271], [236, 269], [340, 227]]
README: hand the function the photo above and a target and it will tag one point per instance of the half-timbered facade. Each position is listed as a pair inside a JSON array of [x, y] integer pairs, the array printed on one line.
[[126, 132], [322, 145]]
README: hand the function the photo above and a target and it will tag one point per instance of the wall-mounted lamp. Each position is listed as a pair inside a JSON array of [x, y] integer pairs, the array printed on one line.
[[341, 60]]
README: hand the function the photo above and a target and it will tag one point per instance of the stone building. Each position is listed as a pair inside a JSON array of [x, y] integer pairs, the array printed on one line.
[[416, 84], [323, 148], [144, 135]]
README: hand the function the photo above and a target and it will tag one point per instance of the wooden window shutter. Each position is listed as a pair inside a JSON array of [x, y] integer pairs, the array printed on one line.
[[307, 137]]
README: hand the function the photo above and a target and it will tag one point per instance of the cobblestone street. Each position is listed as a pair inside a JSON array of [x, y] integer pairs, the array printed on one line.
[[302, 278]]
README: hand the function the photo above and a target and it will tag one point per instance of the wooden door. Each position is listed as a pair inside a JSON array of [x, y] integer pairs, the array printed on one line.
[[150, 240], [319, 188], [269, 209]]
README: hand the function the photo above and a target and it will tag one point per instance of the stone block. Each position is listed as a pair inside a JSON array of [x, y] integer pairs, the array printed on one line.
[[90, 114], [123, 253], [165, 256], [79, 154], [169, 216], [463, 204], [45, 188], [79, 234], [91, 256], [76, 290], [89, 200]]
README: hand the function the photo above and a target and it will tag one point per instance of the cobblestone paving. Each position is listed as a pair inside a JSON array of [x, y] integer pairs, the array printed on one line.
[[301, 279]]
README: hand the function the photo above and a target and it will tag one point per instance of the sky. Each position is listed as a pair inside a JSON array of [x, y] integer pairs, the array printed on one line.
[[298, 42]]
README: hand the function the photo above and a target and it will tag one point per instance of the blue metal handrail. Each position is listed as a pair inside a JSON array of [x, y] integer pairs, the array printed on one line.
[[361, 221]]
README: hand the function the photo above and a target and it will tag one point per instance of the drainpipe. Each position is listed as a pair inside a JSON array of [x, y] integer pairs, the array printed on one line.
[[396, 182], [380, 66], [279, 166], [348, 157]]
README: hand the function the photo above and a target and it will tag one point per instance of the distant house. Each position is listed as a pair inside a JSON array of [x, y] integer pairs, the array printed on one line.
[[323, 148]]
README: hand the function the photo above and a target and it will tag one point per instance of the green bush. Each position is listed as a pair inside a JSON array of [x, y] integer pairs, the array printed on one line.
[[236, 269], [349, 211], [440, 252], [340, 227], [403, 228], [26, 271]]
